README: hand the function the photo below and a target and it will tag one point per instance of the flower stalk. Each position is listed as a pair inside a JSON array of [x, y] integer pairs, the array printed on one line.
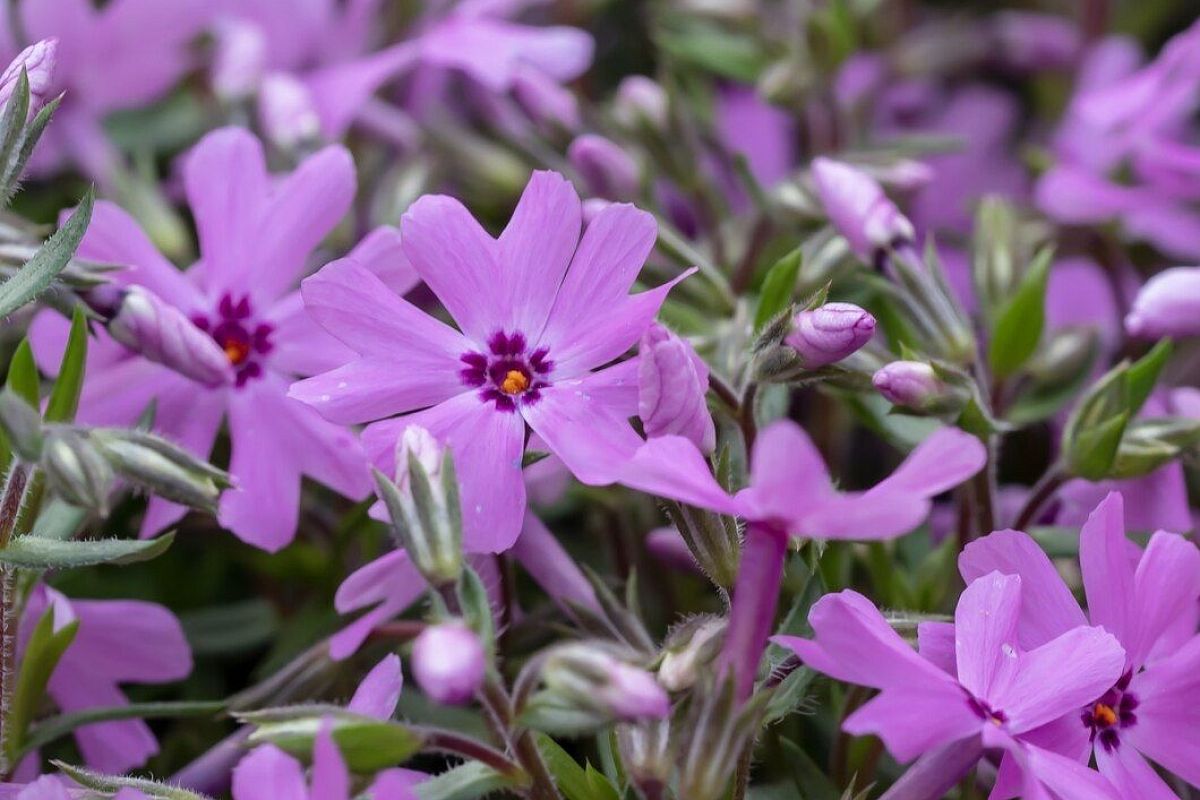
[[755, 596]]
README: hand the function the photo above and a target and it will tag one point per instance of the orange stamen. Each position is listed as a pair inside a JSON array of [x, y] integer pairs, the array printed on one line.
[[236, 352], [515, 382], [1104, 715]]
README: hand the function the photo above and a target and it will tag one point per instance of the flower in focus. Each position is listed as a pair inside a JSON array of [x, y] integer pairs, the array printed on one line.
[[829, 333], [987, 685], [538, 310], [672, 385], [118, 641], [256, 234], [1151, 604]]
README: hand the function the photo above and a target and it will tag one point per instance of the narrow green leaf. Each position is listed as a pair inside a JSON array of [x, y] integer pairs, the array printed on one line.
[[1095, 448], [33, 552], [64, 397], [810, 780], [367, 744], [1143, 374], [36, 275], [477, 608], [54, 728], [778, 287], [467, 781], [15, 164], [571, 779], [12, 122], [599, 785], [42, 653], [1018, 327], [23, 374]]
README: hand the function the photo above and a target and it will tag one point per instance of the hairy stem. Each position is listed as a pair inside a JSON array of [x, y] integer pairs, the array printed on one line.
[[445, 741], [10, 510]]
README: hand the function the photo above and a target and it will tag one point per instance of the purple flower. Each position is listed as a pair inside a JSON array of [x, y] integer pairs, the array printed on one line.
[[1032, 41], [642, 100], [449, 663], [38, 60], [1150, 601], [118, 641], [859, 209], [538, 310], [1168, 305], [672, 385], [830, 333], [912, 384], [986, 684], [256, 234], [609, 171]]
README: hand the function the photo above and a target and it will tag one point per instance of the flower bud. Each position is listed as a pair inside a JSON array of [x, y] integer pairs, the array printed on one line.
[[643, 101], [672, 384], [76, 470], [38, 61], [589, 677], [645, 751], [161, 333], [547, 102], [1168, 305], [424, 507], [915, 385], [1148, 444], [448, 663], [688, 649], [608, 170], [859, 209], [239, 59], [22, 424], [286, 111], [829, 333], [161, 467]]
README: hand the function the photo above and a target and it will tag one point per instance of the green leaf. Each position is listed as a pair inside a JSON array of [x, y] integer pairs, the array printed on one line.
[[1143, 374], [730, 55], [64, 397], [367, 744], [1019, 324], [465, 782], [42, 653], [477, 608], [23, 374], [33, 552], [12, 122], [36, 275], [14, 165], [114, 783], [778, 287], [1094, 448], [571, 778], [810, 780], [599, 785], [55, 728]]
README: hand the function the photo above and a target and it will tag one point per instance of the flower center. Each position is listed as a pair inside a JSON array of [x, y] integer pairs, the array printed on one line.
[[232, 327], [1111, 714], [508, 373], [986, 712]]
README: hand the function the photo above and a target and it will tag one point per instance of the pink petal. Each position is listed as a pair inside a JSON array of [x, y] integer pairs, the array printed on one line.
[[1067, 778], [301, 346], [536, 249], [1168, 713], [915, 719], [379, 692], [330, 778], [396, 784], [1048, 608], [1133, 778], [390, 583], [268, 773], [1108, 571], [944, 460], [549, 564], [328, 453], [1167, 588], [787, 472], [457, 260], [985, 636], [381, 252], [340, 91], [112, 747], [868, 516], [672, 467], [128, 641], [935, 643]]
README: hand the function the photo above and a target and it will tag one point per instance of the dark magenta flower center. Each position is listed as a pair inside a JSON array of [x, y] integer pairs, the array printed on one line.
[[986, 712], [508, 373], [244, 341], [1111, 714]]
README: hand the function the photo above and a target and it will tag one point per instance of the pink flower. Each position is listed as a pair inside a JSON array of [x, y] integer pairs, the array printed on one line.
[[118, 641], [672, 386], [988, 687], [1150, 601], [830, 333], [538, 310], [256, 234], [449, 663]]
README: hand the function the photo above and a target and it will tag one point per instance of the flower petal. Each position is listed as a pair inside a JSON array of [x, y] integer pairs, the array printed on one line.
[[390, 583], [985, 635], [1108, 569], [673, 467], [379, 692], [330, 778], [915, 719], [268, 773], [1168, 713], [941, 462], [1131, 776]]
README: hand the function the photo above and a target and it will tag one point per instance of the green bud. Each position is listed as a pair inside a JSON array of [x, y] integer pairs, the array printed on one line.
[[154, 464], [713, 539], [76, 470], [1151, 443], [22, 424]]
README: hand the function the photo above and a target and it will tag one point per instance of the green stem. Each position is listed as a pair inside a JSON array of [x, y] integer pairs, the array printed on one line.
[[10, 509]]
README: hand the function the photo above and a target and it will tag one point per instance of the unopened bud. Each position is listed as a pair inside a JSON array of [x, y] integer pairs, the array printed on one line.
[[859, 209], [76, 470], [239, 59], [286, 111], [22, 424], [609, 171], [38, 60], [424, 506], [713, 540], [688, 649], [167, 470], [161, 333], [645, 751], [1168, 305], [448, 663], [1066, 356], [547, 102], [1148, 444], [641, 101], [915, 385], [590, 677], [829, 333], [672, 384]]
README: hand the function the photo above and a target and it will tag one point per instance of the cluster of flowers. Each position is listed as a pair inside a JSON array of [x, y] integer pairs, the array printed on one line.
[[455, 383]]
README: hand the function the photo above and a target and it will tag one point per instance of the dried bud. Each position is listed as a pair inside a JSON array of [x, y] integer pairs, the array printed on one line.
[[859, 209], [161, 333], [688, 649], [547, 102], [38, 61], [22, 424], [161, 467], [76, 470], [672, 383], [1168, 305], [646, 755], [239, 59], [829, 333], [915, 385], [608, 170], [286, 111], [590, 677], [424, 507], [448, 663], [641, 101]]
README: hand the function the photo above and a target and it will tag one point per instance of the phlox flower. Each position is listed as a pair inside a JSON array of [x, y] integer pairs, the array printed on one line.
[[118, 641], [1150, 601], [256, 234], [994, 691], [540, 311]]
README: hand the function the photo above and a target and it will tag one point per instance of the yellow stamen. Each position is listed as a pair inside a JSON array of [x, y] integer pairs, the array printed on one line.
[[1104, 715], [236, 352], [515, 382]]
